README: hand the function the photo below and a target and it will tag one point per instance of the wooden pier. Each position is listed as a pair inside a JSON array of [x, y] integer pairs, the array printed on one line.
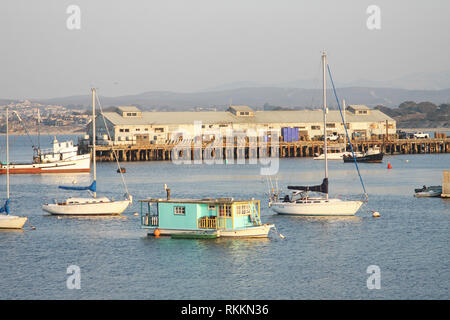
[[253, 150]]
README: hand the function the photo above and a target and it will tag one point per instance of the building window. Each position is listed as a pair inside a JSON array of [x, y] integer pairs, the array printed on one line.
[[225, 210], [159, 129], [212, 207], [331, 125], [121, 130], [127, 130], [146, 129], [138, 129], [243, 209], [223, 125], [179, 210], [315, 127]]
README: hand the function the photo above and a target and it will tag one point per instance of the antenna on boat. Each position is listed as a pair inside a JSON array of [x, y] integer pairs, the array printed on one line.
[[325, 110]]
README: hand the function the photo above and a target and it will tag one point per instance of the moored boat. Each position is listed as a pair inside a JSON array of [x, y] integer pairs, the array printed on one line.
[[432, 191], [367, 157], [63, 157], [8, 221], [203, 218]]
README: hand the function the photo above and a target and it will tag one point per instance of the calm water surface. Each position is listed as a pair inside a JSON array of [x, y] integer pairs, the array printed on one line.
[[321, 258]]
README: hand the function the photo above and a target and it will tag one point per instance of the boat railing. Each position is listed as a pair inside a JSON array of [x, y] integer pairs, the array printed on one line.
[[149, 220], [207, 223], [217, 223]]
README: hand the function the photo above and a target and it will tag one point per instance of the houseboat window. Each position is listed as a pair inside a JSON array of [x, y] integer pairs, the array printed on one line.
[[212, 207], [179, 210], [242, 209], [225, 210]]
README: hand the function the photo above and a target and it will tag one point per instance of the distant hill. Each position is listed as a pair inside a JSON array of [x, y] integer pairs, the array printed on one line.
[[410, 114], [257, 96]]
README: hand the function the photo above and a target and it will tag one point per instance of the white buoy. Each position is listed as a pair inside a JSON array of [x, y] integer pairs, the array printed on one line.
[[136, 214], [375, 214], [407, 160]]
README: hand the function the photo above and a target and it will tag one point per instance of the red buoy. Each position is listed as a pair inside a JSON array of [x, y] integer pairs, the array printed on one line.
[[389, 165]]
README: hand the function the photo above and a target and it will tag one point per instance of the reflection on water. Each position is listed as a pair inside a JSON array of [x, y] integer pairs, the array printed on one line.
[[320, 258]]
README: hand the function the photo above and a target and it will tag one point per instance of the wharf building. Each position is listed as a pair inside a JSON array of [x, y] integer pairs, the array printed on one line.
[[129, 126]]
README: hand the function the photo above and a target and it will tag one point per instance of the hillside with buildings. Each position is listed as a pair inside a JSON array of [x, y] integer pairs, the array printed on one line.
[[256, 97]]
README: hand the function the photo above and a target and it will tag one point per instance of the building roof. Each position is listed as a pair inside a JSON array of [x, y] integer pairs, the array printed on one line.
[[241, 108], [128, 109], [261, 117], [358, 107]]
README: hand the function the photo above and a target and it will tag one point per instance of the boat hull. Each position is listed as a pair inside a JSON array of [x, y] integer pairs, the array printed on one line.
[[261, 231], [426, 194], [370, 158], [334, 207], [87, 209], [12, 222], [78, 164]]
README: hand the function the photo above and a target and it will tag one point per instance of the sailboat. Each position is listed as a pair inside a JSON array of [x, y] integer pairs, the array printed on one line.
[[300, 202], [90, 205], [8, 221]]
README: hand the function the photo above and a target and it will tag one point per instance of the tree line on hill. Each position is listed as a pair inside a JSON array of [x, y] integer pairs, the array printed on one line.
[[410, 114]]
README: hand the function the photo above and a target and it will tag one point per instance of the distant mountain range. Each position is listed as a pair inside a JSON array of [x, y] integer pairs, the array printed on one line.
[[258, 96]]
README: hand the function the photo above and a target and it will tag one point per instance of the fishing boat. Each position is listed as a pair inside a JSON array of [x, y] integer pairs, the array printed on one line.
[[63, 157], [432, 191], [373, 155], [89, 205], [203, 218], [8, 221], [314, 200]]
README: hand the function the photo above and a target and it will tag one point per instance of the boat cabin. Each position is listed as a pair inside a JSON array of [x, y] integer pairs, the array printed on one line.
[[199, 215]]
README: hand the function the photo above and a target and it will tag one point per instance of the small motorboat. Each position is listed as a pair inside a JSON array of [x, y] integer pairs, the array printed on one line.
[[432, 191], [121, 170]]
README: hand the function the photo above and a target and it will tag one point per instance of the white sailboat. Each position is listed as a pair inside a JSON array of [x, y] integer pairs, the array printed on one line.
[[90, 205], [300, 202], [8, 221]]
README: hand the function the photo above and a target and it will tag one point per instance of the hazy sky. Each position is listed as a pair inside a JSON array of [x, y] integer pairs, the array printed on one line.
[[130, 46]]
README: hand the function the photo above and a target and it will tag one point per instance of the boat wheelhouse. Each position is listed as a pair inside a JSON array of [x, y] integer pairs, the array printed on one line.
[[203, 218]]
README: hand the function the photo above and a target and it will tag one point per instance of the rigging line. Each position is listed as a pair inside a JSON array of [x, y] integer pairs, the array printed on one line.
[[25, 128], [346, 132], [113, 151]]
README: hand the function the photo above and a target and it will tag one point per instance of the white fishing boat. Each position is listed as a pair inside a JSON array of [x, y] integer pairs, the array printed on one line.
[[63, 157], [89, 205], [8, 221], [300, 202]]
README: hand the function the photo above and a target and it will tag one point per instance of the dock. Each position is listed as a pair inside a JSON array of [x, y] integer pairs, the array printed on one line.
[[258, 149], [446, 184]]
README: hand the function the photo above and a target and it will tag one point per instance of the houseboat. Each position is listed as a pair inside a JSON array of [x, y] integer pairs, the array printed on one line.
[[203, 218]]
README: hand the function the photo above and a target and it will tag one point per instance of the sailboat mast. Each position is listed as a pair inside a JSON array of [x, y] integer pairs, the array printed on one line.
[[325, 110], [345, 133], [93, 138], [7, 154]]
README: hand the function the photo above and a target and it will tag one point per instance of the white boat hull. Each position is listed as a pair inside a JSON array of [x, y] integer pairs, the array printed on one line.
[[12, 222], [334, 207], [261, 231], [424, 194], [76, 164], [82, 209], [335, 155]]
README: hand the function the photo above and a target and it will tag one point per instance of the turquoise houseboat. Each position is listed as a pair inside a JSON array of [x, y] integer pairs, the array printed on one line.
[[203, 218]]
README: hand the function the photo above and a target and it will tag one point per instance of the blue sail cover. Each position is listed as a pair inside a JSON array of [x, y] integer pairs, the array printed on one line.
[[92, 187], [5, 207]]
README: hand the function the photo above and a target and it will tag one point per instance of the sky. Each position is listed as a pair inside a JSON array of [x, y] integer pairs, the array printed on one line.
[[129, 47]]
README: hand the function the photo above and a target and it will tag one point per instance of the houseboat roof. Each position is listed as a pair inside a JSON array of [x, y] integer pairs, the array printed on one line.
[[202, 201]]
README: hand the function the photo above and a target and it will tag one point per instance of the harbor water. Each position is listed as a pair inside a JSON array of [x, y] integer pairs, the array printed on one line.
[[320, 258]]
